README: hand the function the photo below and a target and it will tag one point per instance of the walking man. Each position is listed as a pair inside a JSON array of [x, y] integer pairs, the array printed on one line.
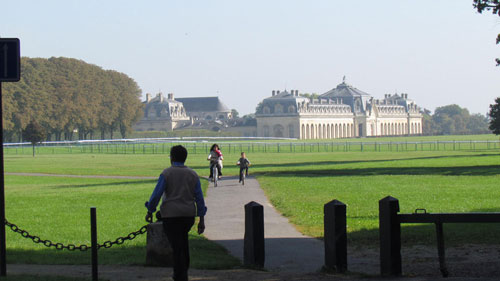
[[182, 200]]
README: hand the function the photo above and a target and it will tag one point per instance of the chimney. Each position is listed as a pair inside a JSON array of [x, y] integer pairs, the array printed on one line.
[[148, 97], [277, 92], [160, 95], [171, 96], [274, 93], [296, 93]]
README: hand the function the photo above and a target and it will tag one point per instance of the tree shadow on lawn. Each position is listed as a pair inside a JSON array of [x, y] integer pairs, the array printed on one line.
[[487, 170], [455, 234], [152, 182], [205, 254], [315, 163]]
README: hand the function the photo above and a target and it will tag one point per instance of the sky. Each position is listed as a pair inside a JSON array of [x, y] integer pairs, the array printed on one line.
[[439, 52]]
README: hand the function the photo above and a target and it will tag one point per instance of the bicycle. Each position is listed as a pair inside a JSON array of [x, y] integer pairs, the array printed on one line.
[[242, 176], [215, 174]]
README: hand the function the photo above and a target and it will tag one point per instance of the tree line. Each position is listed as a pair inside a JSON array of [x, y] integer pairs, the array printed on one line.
[[454, 120], [67, 96]]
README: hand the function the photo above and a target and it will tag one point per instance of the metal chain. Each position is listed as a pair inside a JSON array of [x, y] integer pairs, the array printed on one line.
[[72, 247]]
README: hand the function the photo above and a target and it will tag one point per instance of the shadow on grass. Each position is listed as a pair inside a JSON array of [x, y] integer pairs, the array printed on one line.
[[204, 255], [487, 170], [425, 234]]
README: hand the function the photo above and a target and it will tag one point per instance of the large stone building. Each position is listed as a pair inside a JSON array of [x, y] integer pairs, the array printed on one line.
[[206, 108], [162, 114], [342, 112], [167, 114]]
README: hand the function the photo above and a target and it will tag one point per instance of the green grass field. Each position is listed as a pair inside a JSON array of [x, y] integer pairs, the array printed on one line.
[[298, 184]]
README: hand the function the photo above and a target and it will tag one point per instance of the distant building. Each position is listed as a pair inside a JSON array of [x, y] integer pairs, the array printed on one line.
[[342, 112], [167, 114], [206, 108], [162, 114]]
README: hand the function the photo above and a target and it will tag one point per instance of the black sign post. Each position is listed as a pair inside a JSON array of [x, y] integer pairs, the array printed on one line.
[[10, 71]]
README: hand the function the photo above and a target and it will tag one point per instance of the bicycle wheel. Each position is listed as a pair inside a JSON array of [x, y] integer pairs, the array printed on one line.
[[215, 175]]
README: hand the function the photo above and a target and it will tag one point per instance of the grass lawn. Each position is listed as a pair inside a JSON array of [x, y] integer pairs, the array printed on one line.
[[58, 209], [438, 182], [298, 184]]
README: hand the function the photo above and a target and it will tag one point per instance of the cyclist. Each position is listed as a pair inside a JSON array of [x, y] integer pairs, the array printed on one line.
[[243, 163], [215, 157]]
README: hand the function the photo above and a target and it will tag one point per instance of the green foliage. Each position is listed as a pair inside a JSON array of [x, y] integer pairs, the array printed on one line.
[[235, 113], [67, 95], [310, 96], [34, 133], [454, 120], [495, 117], [489, 5]]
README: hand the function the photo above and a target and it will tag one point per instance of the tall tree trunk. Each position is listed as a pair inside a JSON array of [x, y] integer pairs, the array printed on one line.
[[33, 150]]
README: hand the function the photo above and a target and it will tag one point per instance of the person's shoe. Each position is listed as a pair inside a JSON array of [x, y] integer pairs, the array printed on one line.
[[220, 177]]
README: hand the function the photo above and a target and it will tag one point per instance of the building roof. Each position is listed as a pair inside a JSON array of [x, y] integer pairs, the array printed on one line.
[[344, 90], [203, 104]]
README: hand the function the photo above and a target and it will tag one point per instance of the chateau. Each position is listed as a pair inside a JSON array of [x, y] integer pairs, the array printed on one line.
[[166, 113], [343, 112]]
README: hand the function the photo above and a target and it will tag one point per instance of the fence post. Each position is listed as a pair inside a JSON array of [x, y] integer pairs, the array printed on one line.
[[254, 248], [390, 237], [335, 236], [93, 239]]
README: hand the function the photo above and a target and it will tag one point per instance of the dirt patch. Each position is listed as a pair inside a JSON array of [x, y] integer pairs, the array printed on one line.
[[468, 262]]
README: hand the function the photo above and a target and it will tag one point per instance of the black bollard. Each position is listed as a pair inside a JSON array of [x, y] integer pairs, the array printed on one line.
[[254, 248], [390, 237], [335, 236], [93, 238]]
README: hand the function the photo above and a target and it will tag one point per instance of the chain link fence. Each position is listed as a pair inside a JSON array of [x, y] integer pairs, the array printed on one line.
[[72, 247]]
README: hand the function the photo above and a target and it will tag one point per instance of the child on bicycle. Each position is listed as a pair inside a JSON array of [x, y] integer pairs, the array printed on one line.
[[243, 163], [215, 158]]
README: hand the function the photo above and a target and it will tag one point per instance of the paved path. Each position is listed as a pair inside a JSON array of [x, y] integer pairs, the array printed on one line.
[[286, 250]]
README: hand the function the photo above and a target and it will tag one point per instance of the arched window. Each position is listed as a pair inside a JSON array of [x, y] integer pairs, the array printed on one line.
[[278, 108], [266, 110], [266, 131], [291, 132], [278, 131], [291, 109], [303, 131]]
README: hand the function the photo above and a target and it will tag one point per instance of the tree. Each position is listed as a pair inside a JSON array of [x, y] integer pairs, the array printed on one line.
[[235, 113], [34, 133], [65, 94], [495, 117], [489, 5]]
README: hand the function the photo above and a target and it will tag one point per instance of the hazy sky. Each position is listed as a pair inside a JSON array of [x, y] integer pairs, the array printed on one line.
[[438, 51]]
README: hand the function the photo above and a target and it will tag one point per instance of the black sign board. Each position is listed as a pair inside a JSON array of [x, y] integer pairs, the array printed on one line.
[[10, 60]]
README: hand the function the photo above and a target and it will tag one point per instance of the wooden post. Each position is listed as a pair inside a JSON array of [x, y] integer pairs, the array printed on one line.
[[335, 236], [390, 237], [93, 241], [254, 248]]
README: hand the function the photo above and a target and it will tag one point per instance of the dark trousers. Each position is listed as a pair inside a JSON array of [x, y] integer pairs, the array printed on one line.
[[177, 230], [218, 169], [246, 171]]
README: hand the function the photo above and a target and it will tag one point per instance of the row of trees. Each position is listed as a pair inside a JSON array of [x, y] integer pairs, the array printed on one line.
[[454, 120], [65, 96]]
